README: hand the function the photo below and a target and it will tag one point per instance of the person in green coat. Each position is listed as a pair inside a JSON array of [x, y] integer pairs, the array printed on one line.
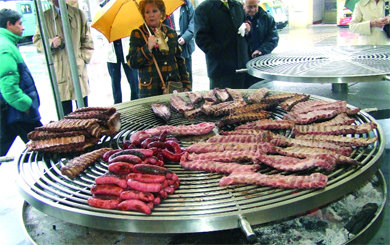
[[19, 100]]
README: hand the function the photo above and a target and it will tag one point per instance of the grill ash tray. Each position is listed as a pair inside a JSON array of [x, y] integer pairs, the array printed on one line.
[[200, 204], [322, 226]]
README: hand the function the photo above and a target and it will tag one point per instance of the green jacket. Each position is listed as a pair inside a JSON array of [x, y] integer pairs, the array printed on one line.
[[17, 87]]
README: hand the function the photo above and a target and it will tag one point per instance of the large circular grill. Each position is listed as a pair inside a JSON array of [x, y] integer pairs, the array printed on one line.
[[325, 64], [200, 204]]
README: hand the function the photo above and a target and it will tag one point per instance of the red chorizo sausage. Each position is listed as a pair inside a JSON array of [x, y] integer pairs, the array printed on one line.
[[135, 205], [169, 156], [146, 178], [107, 155], [145, 187], [120, 168], [100, 203], [125, 158], [106, 189], [132, 194], [111, 179], [150, 169]]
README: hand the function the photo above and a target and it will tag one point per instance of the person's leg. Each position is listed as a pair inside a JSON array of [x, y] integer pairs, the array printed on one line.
[[189, 67], [67, 107], [114, 69], [132, 78], [7, 136], [23, 128], [222, 82]]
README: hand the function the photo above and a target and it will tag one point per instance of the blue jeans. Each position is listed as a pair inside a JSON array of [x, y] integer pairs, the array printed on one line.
[[114, 69]]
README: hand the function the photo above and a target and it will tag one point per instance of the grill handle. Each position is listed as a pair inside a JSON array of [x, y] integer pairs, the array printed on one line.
[[243, 70], [247, 229]]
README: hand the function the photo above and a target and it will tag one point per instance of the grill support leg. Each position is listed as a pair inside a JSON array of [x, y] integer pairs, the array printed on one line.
[[247, 229]]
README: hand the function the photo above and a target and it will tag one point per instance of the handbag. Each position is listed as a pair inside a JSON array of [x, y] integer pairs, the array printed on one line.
[[170, 86], [386, 28]]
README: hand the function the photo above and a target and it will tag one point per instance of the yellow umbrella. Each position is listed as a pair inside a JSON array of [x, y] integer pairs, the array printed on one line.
[[119, 17]]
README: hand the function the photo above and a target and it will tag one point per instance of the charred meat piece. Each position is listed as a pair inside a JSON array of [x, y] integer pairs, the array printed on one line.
[[162, 111], [75, 143], [193, 113], [210, 97], [195, 97], [236, 95], [90, 125], [258, 95], [221, 94], [289, 103], [77, 165], [268, 124], [179, 104]]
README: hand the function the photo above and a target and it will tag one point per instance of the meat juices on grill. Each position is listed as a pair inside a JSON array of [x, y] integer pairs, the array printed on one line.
[[293, 164], [304, 152], [179, 104], [221, 147], [243, 118], [218, 167], [258, 95], [236, 139], [268, 124], [334, 130], [313, 181], [340, 119], [162, 111], [225, 156], [77, 165], [339, 140], [280, 140]]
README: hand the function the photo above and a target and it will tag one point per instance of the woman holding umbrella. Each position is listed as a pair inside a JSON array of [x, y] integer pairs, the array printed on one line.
[[155, 51]]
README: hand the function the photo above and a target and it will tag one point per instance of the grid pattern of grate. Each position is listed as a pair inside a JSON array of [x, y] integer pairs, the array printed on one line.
[[329, 63], [200, 204]]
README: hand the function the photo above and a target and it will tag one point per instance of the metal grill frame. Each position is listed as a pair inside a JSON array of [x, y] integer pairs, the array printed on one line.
[[200, 204], [324, 64]]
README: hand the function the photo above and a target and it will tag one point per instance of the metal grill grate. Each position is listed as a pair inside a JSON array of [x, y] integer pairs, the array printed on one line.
[[200, 204], [324, 64]]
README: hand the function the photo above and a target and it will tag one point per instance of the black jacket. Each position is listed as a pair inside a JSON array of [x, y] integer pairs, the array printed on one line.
[[216, 30], [263, 35]]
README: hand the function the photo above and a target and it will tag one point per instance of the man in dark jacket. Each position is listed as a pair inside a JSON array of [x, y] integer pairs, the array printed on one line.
[[263, 37], [219, 32], [19, 100]]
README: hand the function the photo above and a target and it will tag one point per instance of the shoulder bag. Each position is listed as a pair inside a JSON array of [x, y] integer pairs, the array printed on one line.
[[171, 86]]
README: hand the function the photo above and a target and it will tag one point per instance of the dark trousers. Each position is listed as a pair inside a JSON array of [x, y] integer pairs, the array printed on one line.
[[68, 107], [236, 81], [114, 69], [9, 133]]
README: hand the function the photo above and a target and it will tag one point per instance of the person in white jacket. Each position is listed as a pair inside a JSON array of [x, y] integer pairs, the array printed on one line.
[[116, 56], [368, 19]]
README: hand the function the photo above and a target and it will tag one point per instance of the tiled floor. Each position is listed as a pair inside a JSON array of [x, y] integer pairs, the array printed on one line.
[[11, 227]]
